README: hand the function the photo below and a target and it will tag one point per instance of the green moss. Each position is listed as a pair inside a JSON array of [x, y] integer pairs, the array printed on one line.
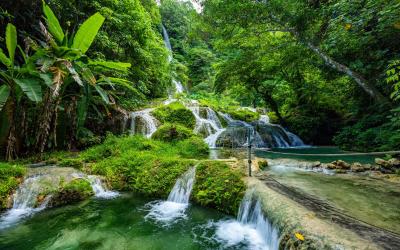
[[71, 192], [175, 113], [10, 176], [152, 167], [218, 186], [172, 133], [244, 115], [71, 162], [194, 147]]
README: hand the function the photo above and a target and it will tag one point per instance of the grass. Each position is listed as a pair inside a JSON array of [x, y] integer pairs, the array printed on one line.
[[10, 175]]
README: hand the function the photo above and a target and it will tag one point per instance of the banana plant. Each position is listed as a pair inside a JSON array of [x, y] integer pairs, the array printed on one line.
[[68, 68], [17, 82]]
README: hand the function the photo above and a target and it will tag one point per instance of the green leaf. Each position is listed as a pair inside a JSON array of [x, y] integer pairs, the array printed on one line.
[[47, 79], [31, 87], [4, 94], [112, 65], [4, 59], [53, 23], [87, 32], [102, 93], [11, 41]]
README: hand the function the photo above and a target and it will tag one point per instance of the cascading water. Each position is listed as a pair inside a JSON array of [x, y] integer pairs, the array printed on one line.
[[167, 212], [34, 194], [100, 191], [142, 122], [25, 202], [251, 229]]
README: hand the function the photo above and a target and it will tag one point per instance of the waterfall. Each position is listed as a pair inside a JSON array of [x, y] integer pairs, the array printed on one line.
[[100, 191], [143, 123], [178, 85], [169, 211], [251, 228], [34, 194], [25, 201]]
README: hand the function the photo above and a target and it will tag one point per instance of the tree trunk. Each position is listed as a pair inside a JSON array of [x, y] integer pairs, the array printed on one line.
[[358, 78], [11, 150], [274, 106], [47, 116]]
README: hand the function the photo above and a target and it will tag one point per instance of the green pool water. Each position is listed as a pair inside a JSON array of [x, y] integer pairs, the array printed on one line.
[[321, 154], [109, 224]]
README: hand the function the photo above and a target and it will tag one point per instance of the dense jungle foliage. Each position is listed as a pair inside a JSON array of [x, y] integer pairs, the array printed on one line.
[[72, 70]]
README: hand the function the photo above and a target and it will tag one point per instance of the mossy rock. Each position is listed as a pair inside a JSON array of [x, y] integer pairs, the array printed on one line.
[[244, 115], [194, 146], [175, 113], [72, 192], [172, 133]]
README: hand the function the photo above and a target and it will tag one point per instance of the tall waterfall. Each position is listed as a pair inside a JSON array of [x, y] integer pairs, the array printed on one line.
[[169, 211], [142, 122], [251, 228], [178, 85]]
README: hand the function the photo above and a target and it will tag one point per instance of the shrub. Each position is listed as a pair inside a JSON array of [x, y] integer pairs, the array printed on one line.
[[172, 133], [175, 113]]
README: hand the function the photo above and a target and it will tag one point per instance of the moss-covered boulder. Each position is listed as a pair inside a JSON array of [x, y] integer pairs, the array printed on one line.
[[175, 113], [172, 133], [244, 115], [71, 192]]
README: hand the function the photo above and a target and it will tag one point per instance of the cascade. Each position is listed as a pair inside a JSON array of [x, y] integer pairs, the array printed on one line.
[[100, 190], [24, 201], [142, 122], [167, 212], [29, 198], [251, 227]]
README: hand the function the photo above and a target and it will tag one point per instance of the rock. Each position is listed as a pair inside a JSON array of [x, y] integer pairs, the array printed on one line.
[[368, 167], [389, 164], [394, 162], [340, 171], [316, 164], [263, 164], [331, 166], [342, 164], [357, 167]]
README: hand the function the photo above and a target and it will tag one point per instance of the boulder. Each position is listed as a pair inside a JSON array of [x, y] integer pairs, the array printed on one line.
[[342, 164], [331, 166], [389, 164], [394, 162], [357, 167]]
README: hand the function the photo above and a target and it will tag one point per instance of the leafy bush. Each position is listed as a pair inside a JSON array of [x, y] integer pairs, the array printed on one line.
[[172, 133], [9, 181], [175, 113]]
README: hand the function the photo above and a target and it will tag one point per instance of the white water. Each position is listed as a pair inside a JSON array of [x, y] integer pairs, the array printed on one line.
[[173, 209], [251, 228], [101, 191], [149, 122], [28, 198], [24, 202]]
